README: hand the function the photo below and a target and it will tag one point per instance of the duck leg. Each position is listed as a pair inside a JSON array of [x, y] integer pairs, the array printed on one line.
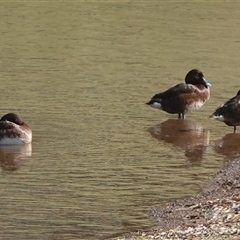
[[234, 129], [181, 116]]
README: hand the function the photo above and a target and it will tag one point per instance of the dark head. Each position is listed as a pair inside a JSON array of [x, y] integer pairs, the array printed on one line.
[[238, 93], [12, 117], [195, 77]]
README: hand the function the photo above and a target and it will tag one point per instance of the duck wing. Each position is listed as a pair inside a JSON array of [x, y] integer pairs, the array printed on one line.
[[175, 91], [9, 129], [232, 105], [6, 125]]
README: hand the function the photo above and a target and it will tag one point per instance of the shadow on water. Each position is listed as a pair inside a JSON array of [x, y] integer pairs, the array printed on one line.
[[228, 146], [13, 157], [185, 134]]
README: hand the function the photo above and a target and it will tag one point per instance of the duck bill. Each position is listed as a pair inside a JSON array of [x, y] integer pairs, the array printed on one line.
[[206, 83]]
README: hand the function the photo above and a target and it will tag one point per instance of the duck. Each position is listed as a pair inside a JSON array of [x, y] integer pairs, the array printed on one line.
[[229, 112], [14, 131], [184, 97]]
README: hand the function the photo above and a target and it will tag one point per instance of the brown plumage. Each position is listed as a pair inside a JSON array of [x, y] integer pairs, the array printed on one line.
[[183, 97], [229, 112], [13, 130]]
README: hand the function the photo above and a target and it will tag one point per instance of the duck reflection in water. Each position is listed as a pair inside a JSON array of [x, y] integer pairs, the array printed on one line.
[[14, 156], [228, 146], [185, 134]]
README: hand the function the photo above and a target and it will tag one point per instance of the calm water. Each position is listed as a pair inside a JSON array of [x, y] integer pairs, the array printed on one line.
[[79, 75]]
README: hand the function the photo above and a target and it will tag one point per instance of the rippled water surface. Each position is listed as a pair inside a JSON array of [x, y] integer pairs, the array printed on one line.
[[79, 75]]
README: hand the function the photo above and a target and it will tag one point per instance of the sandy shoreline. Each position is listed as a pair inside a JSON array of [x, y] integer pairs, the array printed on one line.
[[213, 214]]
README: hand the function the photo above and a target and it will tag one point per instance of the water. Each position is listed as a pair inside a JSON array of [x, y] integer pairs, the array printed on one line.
[[79, 75]]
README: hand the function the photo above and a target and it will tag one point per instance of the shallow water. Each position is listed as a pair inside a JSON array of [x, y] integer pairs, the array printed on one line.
[[79, 75]]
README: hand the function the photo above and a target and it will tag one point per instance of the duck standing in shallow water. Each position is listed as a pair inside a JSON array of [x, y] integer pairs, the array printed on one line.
[[183, 97], [14, 131], [229, 112]]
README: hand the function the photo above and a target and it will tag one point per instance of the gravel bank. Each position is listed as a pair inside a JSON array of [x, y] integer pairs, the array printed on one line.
[[214, 214]]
